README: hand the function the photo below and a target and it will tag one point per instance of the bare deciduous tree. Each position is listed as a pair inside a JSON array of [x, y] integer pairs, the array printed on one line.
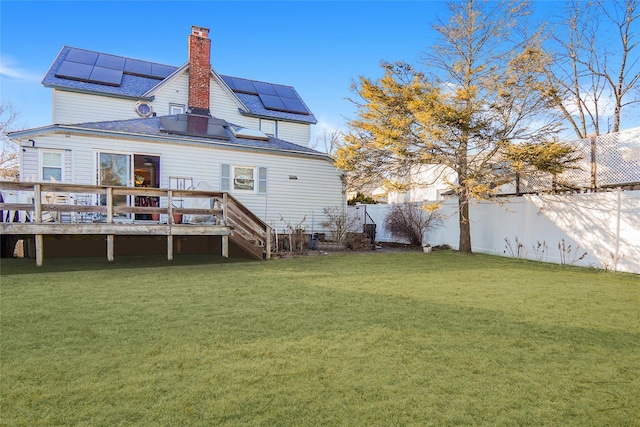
[[338, 222], [329, 141], [592, 65], [9, 159]]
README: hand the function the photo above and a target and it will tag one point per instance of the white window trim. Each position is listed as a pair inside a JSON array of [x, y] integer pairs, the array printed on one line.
[[275, 127], [173, 105], [227, 180], [41, 164], [254, 170], [96, 164]]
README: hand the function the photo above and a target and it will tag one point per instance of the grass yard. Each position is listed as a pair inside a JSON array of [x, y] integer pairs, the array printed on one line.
[[365, 339]]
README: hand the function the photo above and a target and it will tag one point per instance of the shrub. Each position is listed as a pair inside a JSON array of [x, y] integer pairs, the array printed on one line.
[[338, 222], [411, 221]]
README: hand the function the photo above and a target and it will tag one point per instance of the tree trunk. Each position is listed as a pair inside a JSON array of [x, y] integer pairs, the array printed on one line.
[[465, 226]]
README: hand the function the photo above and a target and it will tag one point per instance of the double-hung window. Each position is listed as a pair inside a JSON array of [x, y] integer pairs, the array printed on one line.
[[52, 165], [248, 179]]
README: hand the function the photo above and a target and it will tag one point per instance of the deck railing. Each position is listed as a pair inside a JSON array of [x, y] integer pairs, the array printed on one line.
[[36, 207]]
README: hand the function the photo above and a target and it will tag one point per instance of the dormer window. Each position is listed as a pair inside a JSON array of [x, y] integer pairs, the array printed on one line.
[[268, 127]]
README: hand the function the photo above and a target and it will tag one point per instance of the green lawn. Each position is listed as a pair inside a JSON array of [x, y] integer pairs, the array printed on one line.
[[363, 339]]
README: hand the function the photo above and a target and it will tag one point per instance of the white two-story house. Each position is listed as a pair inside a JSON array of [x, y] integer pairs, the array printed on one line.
[[126, 122]]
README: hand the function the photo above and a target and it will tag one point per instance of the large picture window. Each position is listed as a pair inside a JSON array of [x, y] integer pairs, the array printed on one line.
[[52, 163]]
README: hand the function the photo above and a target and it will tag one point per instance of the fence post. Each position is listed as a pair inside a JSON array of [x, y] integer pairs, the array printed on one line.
[[619, 209], [593, 140]]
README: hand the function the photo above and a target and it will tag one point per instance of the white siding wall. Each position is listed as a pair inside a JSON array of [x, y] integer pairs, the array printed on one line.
[[317, 185], [224, 106], [297, 133], [30, 170], [29, 167], [176, 91], [72, 107]]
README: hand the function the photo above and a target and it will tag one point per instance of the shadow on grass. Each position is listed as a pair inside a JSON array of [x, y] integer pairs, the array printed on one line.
[[12, 266], [312, 310]]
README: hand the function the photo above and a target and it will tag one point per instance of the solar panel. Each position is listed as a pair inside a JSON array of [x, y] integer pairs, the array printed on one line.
[[243, 85], [110, 61], [161, 71], [265, 88], [106, 76], [272, 102], [74, 71], [229, 81], [82, 56], [198, 126], [285, 91], [294, 105], [137, 67]]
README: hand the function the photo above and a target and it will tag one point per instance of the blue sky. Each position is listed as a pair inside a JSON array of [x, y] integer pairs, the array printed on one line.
[[317, 47]]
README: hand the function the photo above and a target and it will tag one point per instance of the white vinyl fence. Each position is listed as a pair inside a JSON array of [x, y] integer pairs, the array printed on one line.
[[591, 229]]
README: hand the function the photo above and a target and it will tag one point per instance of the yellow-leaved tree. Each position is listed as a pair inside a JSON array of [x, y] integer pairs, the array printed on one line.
[[477, 104]]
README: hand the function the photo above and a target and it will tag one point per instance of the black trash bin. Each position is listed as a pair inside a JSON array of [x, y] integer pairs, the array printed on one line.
[[370, 231]]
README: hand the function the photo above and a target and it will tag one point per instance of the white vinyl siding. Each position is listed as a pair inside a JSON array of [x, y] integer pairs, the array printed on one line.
[[298, 133], [318, 184], [31, 163], [72, 107], [175, 91], [224, 106]]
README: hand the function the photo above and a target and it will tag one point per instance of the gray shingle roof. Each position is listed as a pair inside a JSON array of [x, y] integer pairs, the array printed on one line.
[[151, 127], [133, 86]]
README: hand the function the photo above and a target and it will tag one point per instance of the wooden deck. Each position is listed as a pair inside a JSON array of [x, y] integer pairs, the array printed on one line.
[[43, 208]]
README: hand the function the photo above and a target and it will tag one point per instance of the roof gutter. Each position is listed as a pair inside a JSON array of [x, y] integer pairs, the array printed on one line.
[[262, 116]]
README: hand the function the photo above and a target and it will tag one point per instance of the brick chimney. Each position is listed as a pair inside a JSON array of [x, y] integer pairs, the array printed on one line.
[[199, 70]]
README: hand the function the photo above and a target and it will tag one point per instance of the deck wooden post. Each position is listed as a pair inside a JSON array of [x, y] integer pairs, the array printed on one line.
[[169, 207], [224, 209], [267, 243], [109, 204], [225, 246], [39, 249], [37, 200], [170, 247], [110, 248]]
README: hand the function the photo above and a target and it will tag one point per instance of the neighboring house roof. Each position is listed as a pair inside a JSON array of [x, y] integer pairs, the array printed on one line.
[[150, 129], [79, 70]]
